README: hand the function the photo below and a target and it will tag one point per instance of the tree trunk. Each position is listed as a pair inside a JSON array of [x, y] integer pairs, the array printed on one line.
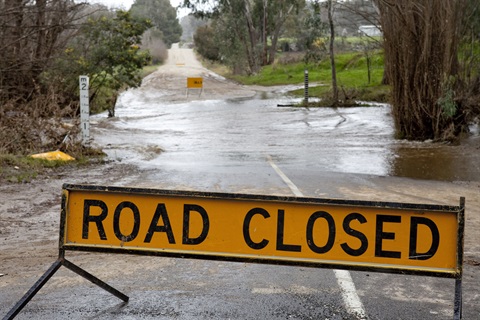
[[421, 41], [279, 21], [11, 52], [252, 34], [41, 8], [273, 47], [332, 54], [264, 34]]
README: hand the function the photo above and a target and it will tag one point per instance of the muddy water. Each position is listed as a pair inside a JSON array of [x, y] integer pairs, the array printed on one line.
[[436, 163], [239, 135]]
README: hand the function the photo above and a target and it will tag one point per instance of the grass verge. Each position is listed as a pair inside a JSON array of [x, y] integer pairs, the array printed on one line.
[[148, 70], [352, 77], [24, 169]]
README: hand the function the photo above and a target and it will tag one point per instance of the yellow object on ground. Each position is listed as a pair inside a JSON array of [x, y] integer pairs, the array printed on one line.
[[53, 156]]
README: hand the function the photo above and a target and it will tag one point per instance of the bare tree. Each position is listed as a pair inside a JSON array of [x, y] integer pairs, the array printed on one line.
[[31, 33]]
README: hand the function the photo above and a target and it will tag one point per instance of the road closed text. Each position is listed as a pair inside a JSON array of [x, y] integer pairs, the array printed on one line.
[[263, 229]]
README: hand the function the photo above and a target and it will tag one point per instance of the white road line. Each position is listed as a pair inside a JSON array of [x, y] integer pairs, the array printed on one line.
[[344, 279], [349, 294], [289, 183]]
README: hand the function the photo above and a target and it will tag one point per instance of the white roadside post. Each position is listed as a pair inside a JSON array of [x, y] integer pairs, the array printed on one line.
[[84, 110]]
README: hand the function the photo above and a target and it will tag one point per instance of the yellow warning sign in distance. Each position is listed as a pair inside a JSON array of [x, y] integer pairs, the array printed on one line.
[[392, 237], [194, 83]]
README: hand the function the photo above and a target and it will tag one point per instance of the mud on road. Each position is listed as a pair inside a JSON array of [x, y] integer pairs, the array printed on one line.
[[29, 227]]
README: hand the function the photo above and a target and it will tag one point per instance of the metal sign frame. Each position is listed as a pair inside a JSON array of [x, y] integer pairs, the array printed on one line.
[[195, 83], [459, 211]]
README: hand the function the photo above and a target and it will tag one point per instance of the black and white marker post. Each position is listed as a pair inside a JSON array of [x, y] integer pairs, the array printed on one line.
[[84, 110]]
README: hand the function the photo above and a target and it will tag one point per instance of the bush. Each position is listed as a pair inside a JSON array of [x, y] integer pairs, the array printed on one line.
[[290, 58], [205, 43]]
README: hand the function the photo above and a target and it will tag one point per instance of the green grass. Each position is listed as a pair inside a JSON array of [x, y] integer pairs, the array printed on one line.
[[352, 76], [148, 69], [23, 169]]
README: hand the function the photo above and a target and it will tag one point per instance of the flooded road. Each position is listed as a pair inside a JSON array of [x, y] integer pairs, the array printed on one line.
[[219, 136], [227, 127], [233, 138], [231, 145]]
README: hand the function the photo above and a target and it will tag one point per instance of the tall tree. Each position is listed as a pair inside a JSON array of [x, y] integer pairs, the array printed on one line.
[[471, 40], [312, 32], [190, 24], [256, 24], [163, 17], [276, 12], [421, 48], [106, 49], [44, 46], [205, 43]]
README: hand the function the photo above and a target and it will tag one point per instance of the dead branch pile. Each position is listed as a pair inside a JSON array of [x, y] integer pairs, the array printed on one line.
[[38, 125]]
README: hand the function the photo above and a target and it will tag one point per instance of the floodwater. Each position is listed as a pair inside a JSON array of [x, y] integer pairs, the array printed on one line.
[[240, 134]]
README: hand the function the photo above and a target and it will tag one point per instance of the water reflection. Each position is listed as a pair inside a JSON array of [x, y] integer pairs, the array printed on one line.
[[434, 161], [215, 135]]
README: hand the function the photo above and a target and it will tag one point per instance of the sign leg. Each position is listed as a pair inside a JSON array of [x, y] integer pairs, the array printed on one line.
[[33, 290], [457, 309], [95, 280]]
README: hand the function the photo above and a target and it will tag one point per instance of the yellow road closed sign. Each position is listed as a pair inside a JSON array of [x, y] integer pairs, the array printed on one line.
[[359, 235], [194, 83]]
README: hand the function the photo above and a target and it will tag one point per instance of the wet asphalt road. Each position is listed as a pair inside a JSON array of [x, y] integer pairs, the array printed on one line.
[[225, 146], [236, 136], [230, 146]]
